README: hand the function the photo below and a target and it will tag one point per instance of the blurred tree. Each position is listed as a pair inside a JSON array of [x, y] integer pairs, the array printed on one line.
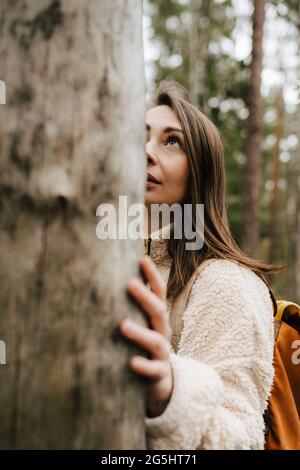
[[275, 226], [293, 14], [72, 137], [289, 10], [197, 57], [254, 135]]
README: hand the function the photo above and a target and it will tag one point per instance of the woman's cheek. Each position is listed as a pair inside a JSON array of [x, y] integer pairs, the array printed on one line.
[[180, 179]]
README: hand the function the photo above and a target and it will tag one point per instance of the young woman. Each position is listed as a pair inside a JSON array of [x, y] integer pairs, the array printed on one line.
[[213, 392]]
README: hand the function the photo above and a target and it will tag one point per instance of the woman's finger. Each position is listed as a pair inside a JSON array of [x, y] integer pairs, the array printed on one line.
[[150, 340], [154, 369], [152, 305], [153, 276]]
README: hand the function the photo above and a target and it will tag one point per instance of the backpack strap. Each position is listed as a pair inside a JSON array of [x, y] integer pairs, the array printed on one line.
[[286, 308], [283, 309], [179, 304]]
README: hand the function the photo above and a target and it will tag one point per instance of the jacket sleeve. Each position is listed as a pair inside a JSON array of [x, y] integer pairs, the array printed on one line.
[[223, 370]]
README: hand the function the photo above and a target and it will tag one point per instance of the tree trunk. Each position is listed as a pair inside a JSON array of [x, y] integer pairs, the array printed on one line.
[[195, 58], [72, 137], [198, 43], [254, 134], [276, 231]]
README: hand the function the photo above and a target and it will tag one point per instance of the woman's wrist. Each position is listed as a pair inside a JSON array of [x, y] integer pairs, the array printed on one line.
[[157, 408]]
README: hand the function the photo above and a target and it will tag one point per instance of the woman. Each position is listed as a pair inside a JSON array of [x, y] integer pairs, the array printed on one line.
[[213, 392]]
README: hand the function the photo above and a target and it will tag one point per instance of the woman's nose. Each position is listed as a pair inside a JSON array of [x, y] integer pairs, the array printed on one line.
[[151, 156]]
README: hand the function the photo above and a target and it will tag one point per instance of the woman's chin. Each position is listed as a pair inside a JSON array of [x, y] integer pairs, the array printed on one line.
[[150, 198]]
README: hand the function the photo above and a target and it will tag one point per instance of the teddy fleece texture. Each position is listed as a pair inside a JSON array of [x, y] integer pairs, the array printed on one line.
[[223, 369]]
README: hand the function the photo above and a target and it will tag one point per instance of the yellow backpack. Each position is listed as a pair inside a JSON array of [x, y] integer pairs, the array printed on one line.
[[282, 416]]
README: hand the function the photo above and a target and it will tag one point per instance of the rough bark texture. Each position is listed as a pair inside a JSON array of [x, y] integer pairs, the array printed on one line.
[[254, 134], [71, 138]]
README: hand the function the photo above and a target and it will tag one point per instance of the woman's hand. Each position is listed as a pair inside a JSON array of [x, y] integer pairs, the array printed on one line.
[[157, 340]]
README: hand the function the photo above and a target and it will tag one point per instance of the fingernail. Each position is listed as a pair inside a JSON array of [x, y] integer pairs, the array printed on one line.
[[135, 361], [127, 322], [134, 282]]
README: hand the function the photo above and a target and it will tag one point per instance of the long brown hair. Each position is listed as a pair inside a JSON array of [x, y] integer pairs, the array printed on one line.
[[207, 185]]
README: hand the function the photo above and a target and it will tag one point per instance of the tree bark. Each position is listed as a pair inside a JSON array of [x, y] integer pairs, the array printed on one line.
[[71, 138], [254, 134]]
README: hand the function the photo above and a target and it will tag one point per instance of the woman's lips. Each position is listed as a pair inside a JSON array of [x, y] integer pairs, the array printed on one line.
[[152, 179], [152, 183]]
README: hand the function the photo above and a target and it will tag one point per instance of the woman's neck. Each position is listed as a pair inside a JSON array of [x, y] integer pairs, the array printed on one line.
[[155, 225]]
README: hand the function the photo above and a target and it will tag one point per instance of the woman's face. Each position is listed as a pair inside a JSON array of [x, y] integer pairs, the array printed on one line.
[[166, 158]]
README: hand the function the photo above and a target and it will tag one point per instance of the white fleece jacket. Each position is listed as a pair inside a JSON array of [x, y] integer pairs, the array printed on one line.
[[223, 369]]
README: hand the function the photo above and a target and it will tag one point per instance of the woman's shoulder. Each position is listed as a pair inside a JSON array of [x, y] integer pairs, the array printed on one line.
[[227, 280], [228, 271]]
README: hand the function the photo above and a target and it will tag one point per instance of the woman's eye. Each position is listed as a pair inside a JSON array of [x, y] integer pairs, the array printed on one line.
[[172, 138]]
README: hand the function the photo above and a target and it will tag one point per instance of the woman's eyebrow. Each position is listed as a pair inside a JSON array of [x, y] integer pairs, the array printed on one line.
[[166, 129]]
